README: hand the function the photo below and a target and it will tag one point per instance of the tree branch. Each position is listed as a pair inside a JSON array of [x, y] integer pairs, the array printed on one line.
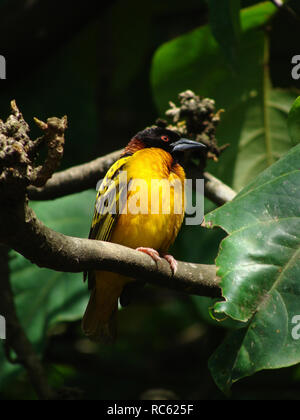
[[284, 6], [54, 138], [82, 177], [16, 337], [49, 249], [74, 180], [216, 191], [278, 3]]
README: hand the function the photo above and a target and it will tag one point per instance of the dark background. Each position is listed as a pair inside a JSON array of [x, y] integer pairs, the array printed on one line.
[[92, 61]]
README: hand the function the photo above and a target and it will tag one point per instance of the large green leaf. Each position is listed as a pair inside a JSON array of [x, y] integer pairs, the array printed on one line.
[[294, 122], [45, 297], [255, 119], [260, 269], [224, 18]]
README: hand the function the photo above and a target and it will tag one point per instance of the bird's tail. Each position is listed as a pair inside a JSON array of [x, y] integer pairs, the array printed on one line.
[[100, 319]]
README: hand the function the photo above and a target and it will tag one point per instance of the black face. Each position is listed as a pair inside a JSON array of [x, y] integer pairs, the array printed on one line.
[[158, 137], [167, 140]]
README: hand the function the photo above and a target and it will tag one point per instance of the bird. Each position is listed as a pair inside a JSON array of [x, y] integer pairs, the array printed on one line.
[[152, 157]]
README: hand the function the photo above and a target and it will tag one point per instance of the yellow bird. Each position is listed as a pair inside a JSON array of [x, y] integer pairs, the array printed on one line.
[[140, 204]]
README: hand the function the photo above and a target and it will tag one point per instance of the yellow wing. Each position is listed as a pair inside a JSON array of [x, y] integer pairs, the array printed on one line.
[[111, 197], [107, 206]]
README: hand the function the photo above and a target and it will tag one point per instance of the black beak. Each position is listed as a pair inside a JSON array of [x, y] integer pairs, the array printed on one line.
[[184, 145]]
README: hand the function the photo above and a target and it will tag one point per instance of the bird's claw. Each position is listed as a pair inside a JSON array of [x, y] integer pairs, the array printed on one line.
[[173, 263], [151, 252], [156, 257]]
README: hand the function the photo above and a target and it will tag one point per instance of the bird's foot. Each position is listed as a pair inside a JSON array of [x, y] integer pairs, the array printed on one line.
[[173, 263], [156, 257], [151, 252]]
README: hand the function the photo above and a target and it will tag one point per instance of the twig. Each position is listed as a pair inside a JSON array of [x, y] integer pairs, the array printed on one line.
[[216, 191], [74, 180], [54, 131], [278, 3], [17, 165], [284, 6], [83, 177], [16, 337]]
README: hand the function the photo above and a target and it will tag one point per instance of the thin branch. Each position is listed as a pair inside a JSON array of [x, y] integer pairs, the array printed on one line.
[[54, 138], [17, 152], [74, 180], [278, 3], [86, 176], [216, 191], [284, 6], [16, 337]]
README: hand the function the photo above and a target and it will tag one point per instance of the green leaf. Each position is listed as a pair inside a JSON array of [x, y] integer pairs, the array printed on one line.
[[294, 122], [260, 269], [44, 297], [256, 114], [130, 51], [224, 18]]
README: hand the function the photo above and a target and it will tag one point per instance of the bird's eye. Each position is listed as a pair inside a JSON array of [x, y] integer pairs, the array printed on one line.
[[165, 138]]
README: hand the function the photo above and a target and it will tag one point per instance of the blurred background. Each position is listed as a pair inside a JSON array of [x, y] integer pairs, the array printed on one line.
[[112, 68]]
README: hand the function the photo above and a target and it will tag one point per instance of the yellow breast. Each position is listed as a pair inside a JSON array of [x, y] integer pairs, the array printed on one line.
[[155, 202]]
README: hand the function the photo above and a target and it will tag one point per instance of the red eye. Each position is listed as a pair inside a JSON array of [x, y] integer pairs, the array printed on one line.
[[165, 138]]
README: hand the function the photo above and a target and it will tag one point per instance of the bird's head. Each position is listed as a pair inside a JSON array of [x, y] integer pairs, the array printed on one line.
[[162, 138]]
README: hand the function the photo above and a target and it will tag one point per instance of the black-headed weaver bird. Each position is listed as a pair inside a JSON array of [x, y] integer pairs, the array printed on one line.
[[152, 154]]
